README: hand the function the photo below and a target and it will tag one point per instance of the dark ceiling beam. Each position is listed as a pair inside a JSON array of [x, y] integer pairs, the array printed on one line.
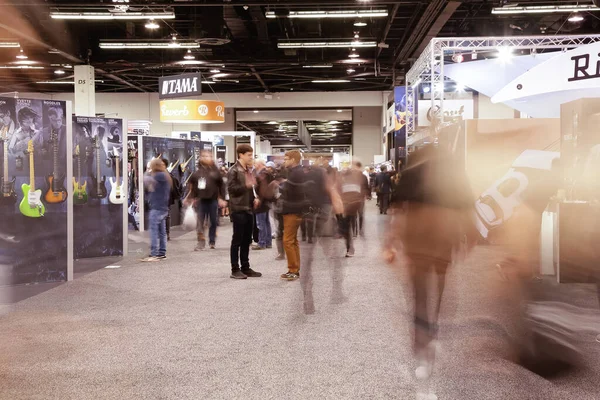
[[387, 28], [437, 26], [257, 75]]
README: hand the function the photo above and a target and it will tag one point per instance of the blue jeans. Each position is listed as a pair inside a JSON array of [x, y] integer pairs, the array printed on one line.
[[207, 208], [265, 237], [158, 232]]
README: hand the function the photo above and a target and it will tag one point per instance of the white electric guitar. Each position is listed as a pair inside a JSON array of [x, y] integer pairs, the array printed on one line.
[[117, 195]]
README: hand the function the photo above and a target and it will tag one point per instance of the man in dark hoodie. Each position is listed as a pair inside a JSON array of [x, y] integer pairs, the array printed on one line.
[[242, 202]]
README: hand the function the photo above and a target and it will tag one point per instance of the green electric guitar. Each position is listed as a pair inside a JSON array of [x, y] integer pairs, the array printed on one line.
[[80, 195], [31, 204]]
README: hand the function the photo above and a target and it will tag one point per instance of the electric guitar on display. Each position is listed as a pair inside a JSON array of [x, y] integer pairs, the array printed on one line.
[[172, 166], [117, 196], [98, 190], [80, 195], [31, 204], [185, 164], [8, 196], [56, 192]]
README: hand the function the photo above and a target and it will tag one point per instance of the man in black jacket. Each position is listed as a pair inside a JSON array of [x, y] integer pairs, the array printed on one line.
[[206, 191], [242, 202], [383, 183]]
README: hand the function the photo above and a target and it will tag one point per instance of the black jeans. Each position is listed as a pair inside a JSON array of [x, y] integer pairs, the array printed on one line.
[[384, 202], [241, 240]]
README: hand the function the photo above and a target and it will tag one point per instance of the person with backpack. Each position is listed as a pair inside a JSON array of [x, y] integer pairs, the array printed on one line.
[[206, 192], [174, 196]]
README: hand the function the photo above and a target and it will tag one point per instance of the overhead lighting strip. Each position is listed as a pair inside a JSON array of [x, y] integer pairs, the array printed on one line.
[[112, 15], [20, 67], [62, 82], [330, 14], [149, 45], [330, 81], [4, 44], [320, 45], [544, 9]]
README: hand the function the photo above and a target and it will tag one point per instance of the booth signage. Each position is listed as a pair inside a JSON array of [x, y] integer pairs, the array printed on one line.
[[186, 111], [452, 109], [172, 87], [577, 69]]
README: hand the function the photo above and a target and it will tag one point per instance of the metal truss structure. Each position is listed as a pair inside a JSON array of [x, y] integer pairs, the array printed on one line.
[[429, 67]]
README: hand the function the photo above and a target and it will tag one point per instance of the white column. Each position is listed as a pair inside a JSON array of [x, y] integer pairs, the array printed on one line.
[[85, 91]]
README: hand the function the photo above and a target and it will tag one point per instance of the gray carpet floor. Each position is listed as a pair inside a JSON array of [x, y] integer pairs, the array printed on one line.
[[182, 329]]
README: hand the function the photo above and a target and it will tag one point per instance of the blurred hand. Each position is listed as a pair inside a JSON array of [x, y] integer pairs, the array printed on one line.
[[389, 255], [256, 203], [222, 203]]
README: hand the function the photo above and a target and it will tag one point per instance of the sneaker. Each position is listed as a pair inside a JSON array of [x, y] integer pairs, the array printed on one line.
[[280, 257], [288, 276], [350, 253], [257, 247], [150, 259], [238, 275], [161, 257], [200, 247], [250, 273], [212, 246]]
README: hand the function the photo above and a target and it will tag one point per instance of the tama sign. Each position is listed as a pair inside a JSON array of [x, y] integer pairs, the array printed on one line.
[[172, 87]]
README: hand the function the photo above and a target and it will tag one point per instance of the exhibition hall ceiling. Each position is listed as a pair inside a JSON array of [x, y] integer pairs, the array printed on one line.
[[247, 46]]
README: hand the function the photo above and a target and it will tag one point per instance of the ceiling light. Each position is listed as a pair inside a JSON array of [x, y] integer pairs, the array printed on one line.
[[20, 67], [320, 45], [10, 44], [505, 53], [215, 71], [112, 15], [62, 82], [340, 110], [576, 18], [189, 55], [350, 70], [133, 44], [356, 36], [330, 81], [426, 89], [151, 24], [59, 72], [25, 62], [255, 111], [190, 62], [333, 122], [353, 55], [219, 75], [272, 123], [21, 55], [330, 14], [318, 66], [544, 9], [360, 23]]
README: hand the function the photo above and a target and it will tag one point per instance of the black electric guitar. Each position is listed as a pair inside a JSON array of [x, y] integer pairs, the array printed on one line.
[[98, 188], [8, 196], [56, 192]]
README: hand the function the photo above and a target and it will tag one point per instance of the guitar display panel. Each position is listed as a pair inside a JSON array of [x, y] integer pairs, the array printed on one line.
[[33, 207], [98, 221]]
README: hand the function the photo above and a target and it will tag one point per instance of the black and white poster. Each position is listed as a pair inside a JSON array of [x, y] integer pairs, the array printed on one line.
[[98, 187], [33, 195]]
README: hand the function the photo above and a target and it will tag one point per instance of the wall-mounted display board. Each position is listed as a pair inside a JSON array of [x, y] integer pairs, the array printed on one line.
[[34, 193], [99, 190]]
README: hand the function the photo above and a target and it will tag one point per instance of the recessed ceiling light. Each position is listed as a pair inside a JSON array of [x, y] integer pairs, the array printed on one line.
[[353, 55], [255, 111], [356, 36], [215, 71], [340, 110], [360, 23], [59, 72], [330, 81], [151, 24], [350, 70]]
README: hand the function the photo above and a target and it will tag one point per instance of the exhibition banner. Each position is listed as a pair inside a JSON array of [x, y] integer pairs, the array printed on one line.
[[186, 111], [399, 153], [33, 194], [99, 189], [221, 156]]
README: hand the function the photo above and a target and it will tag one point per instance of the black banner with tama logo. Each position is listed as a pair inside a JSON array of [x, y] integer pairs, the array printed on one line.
[[186, 85]]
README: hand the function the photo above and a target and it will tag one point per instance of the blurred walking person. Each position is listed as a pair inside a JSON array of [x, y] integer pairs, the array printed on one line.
[[206, 192], [383, 183], [431, 217], [266, 194], [353, 187], [242, 202], [158, 184]]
